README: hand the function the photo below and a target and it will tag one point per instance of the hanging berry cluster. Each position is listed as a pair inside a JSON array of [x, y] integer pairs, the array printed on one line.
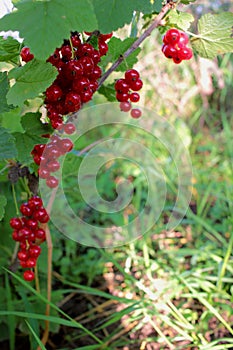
[[46, 156], [29, 234], [175, 46], [78, 74], [131, 82]]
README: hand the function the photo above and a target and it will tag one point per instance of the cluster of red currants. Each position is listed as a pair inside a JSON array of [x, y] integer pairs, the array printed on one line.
[[46, 156], [175, 46], [29, 234], [132, 82], [78, 74]]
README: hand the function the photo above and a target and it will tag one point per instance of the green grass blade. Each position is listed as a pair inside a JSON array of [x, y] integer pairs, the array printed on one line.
[[35, 336]]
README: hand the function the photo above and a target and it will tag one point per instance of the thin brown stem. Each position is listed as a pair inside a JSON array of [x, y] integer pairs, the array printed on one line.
[[137, 43]]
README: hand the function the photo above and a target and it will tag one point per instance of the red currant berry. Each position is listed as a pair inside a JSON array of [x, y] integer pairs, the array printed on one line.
[[66, 52], [121, 86], [28, 275], [75, 39], [131, 75], [177, 59], [41, 215], [87, 50], [24, 233], [81, 85], [43, 173], [74, 69], [136, 113], [105, 37], [54, 93], [136, 85], [122, 97], [15, 236], [53, 166], [172, 36], [66, 145], [169, 51], [34, 251], [55, 58], [32, 224], [40, 234], [95, 56], [52, 182], [16, 223], [26, 55], [184, 39], [93, 86], [103, 47], [96, 73], [35, 202], [86, 95], [134, 97], [25, 209], [185, 53], [22, 255], [31, 262], [73, 101], [125, 106], [69, 128]]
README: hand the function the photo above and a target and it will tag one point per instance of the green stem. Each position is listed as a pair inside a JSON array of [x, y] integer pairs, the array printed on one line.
[[15, 200]]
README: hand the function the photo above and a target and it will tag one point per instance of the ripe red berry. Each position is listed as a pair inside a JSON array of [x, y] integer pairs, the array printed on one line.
[[103, 47], [66, 145], [104, 37], [121, 86], [31, 262], [24, 233], [32, 224], [136, 85], [172, 36], [134, 97], [69, 128], [40, 234], [73, 101], [35, 202], [43, 173], [28, 275], [53, 166], [16, 223], [54, 93], [34, 251], [74, 69], [52, 182], [131, 75], [41, 215], [125, 106], [75, 39], [122, 97], [26, 210], [26, 55], [81, 85], [22, 255], [136, 113], [169, 51], [66, 52]]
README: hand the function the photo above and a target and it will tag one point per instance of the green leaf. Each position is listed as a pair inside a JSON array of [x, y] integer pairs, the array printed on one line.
[[215, 35], [24, 144], [114, 14], [44, 24], [108, 91], [9, 50], [116, 48], [186, 2], [148, 7], [7, 145], [3, 203], [31, 80], [12, 120], [32, 124], [182, 20], [4, 87]]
